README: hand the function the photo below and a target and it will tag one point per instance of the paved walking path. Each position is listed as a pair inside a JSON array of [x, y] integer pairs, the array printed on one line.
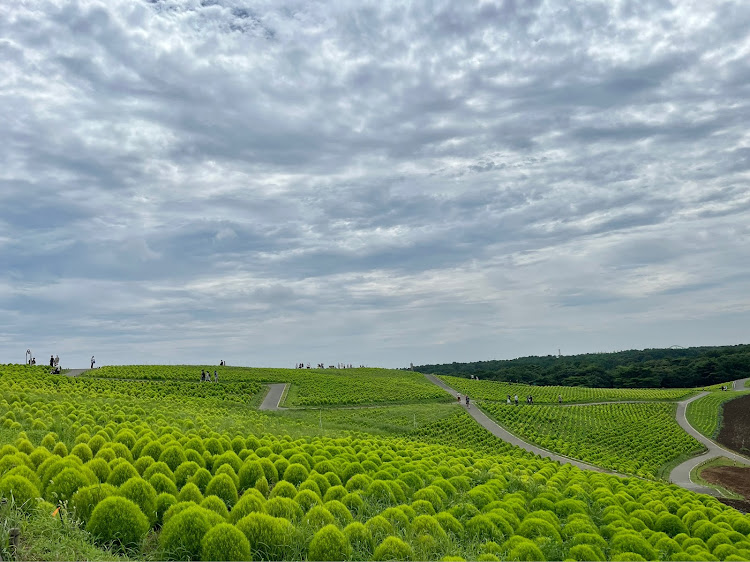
[[508, 437], [273, 398], [75, 372], [680, 475], [740, 384]]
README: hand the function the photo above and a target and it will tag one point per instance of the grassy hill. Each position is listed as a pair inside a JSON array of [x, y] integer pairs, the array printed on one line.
[[156, 466]]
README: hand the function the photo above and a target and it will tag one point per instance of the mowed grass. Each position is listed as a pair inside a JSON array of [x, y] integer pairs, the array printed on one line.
[[309, 387], [705, 414], [628, 438], [499, 391]]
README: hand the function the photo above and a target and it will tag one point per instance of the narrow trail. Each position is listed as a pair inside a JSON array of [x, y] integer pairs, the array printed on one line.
[[273, 398], [508, 437], [741, 384], [75, 372], [680, 474]]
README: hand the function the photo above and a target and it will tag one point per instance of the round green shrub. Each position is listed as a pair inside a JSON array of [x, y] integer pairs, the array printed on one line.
[[201, 478], [533, 527], [142, 494], [329, 544], [227, 469], [283, 507], [248, 503], [296, 474], [184, 472], [335, 493], [27, 473], [100, 468], [20, 491], [318, 517], [250, 472], [164, 501], [379, 527], [525, 550], [159, 468], [122, 473], [585, 552], [117, 520], [163, 484], [223, 486], [270, 537], [143, 464], [284, 489], [393, 548], [261, 484], [359, 537], [340, 512], [215, 504], [173, 456], [181, 536], [190, 492], [83, 452], [83, 502], [354, 503], [307, 499], [450, 524], [65, 484], [60, 449], [225, 542], [627, 542], [630, 557]]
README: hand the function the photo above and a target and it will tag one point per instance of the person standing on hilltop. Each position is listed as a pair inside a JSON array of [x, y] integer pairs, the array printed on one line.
[[92, 361], [51, 360]]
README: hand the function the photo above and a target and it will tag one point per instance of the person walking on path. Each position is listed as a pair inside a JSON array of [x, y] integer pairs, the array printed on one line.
[[467, 401], [458, 397], [508, 399], [516, 397], [92, 361]]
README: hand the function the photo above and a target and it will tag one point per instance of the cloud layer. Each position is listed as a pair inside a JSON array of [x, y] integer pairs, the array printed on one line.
[[371, 183]]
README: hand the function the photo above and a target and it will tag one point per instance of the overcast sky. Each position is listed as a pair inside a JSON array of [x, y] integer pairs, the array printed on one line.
[[369, 182]]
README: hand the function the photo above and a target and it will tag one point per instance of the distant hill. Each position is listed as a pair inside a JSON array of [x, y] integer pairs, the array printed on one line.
[[648, 368]]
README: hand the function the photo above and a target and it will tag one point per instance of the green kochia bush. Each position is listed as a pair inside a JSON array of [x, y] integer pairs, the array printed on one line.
[[181, 537], [270, 537], [225, 542], [329, 544], [393, 548], [142, 494], [84, 501], [117, 520], [223, 486], [20, 490]]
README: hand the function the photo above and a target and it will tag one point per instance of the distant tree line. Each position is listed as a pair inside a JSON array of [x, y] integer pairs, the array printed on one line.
[[648, 368]]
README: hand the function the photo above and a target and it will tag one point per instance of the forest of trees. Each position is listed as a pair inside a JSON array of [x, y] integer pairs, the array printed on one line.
[[648, 368]]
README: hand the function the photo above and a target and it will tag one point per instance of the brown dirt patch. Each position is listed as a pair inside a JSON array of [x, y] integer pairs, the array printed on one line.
[[734, 478], [739, 505], [735, 427]]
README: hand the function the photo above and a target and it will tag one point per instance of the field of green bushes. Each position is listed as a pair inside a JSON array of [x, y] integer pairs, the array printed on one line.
[[704, 414], [309, 387], [499, 391], [92, 468], [636, 438]]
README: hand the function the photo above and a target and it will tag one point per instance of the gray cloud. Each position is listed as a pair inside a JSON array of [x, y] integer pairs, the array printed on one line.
[[373, 183]]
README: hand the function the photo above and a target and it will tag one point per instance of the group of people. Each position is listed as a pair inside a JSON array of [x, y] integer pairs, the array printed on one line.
[[222, 363], [54, 364], [458, 398], [206, 375]]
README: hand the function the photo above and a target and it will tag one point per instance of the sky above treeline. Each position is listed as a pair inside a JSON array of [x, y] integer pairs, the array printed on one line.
[[372, 183]]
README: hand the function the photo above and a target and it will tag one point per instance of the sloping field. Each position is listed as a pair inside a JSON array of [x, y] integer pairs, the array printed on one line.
[[184, 476], [309, 387], [499, 391]]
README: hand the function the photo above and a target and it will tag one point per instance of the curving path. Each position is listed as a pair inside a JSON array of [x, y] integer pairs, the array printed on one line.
[[273, 398], [680, 474], [508, 437], [75, 372], [741, 384]]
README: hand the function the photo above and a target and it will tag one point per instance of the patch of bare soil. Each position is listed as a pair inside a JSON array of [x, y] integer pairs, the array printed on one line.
[[734, 478], [735, 427], [739, 505]]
